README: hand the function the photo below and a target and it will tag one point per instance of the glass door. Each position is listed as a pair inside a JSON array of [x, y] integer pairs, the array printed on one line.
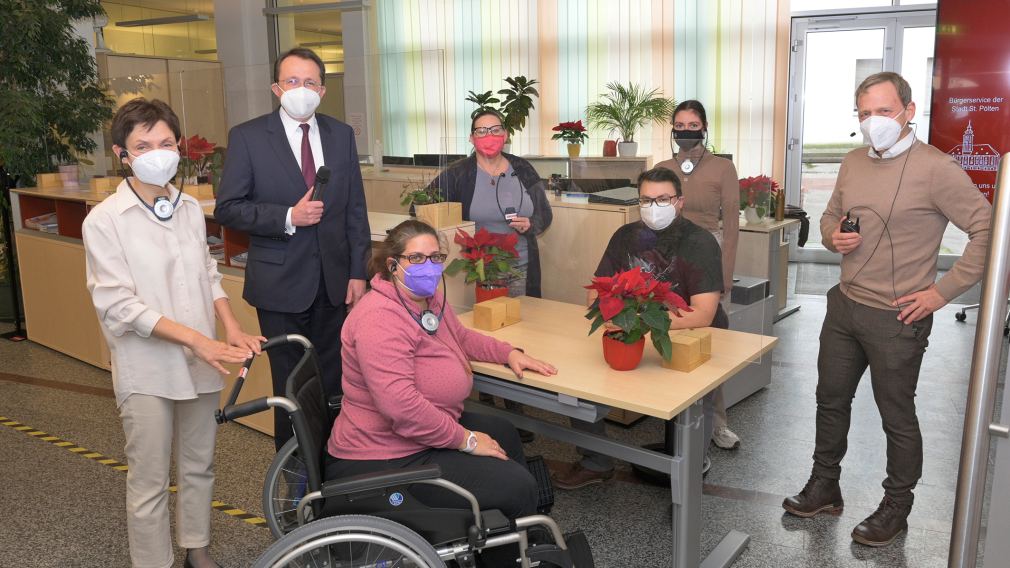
[[830, 57]]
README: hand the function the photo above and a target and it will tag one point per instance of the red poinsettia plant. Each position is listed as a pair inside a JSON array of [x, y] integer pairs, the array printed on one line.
[[200, 157], [757, 192], [485, 256], [637, 303], [571, 132]]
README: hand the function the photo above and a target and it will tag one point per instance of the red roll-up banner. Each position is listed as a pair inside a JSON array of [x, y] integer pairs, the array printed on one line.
[[970, 114]]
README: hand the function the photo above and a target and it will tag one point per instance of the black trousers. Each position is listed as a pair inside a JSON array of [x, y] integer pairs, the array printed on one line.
[[854, 337], [321, 324], [504, 485]]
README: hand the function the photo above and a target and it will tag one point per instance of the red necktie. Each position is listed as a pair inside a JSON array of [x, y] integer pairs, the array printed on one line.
[[308, 164]]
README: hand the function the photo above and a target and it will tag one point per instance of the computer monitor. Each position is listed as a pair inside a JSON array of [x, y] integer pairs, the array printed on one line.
[[437, 160]]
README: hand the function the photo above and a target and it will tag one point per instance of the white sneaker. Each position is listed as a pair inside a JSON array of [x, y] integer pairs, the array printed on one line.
[[725, 438]]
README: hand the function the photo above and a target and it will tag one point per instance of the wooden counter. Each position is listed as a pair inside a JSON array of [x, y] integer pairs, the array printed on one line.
[[383, 188], [571, 248], [58, 309], [763, 252]]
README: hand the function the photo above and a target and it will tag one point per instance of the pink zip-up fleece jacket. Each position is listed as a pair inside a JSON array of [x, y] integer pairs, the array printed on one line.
[[404, 389]]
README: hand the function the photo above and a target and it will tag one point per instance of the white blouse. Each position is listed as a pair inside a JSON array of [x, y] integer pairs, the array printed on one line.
[[140, 269]]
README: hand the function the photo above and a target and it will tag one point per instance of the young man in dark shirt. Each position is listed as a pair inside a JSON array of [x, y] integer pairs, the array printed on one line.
[[674, 250]]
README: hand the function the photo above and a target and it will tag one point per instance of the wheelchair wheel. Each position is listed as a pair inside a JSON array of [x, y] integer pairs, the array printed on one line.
[[351, 541], [286, 483]]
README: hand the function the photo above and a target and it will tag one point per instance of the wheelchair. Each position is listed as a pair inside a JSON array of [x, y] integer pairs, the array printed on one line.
[[373, 520]]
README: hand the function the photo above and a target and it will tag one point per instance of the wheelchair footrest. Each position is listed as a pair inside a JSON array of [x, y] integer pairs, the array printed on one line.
[[579, 550], [545, 490]]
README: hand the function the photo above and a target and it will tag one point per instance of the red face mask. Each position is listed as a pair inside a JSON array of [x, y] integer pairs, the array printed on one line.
[[489, 145]]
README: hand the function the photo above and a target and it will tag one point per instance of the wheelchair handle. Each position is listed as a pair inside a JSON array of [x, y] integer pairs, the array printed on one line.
[[275, 341], [234, 411]]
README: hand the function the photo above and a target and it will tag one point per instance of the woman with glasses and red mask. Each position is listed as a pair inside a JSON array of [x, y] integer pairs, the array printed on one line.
[[711, 201], [502, 193]]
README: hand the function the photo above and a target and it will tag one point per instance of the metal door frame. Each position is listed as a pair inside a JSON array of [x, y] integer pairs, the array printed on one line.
[[893, 22]]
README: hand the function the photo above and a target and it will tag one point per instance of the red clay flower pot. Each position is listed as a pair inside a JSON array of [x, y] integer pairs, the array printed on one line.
[[609, 148], [484, 294], [622, 356]]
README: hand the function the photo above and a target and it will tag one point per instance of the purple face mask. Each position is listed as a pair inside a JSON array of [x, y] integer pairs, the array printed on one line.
[[422, 279]]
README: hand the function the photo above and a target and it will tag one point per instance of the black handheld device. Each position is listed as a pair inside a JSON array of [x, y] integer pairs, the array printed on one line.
[[848, 225], [510, 213]]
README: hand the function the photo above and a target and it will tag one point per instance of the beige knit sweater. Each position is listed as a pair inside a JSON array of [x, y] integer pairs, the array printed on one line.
[[900, 257]]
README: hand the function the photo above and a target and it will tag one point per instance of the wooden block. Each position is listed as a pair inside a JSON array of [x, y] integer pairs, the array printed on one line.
[[706, 340], [105, 184], [489, 316], [496, 313], [624, 417], [687, 353], [440, 215], [201, 191], [47, 181]]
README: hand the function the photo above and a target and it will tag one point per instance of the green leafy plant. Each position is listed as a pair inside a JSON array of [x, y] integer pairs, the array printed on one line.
[[626, 108], [518, 102], [514, 108], [420, 192], [484, 101], [50, 98]]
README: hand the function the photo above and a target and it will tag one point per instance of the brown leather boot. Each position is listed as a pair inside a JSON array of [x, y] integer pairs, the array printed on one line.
[[884, 525], [820, 495]]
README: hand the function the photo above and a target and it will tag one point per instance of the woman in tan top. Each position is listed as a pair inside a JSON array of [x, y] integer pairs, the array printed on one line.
[[711, 194]]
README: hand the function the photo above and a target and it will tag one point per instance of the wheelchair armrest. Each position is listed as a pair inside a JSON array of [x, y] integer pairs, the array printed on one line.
[[380, 480]]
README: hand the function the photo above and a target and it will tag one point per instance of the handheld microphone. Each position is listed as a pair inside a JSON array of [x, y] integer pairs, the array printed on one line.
[[322, 176], [851, 134]]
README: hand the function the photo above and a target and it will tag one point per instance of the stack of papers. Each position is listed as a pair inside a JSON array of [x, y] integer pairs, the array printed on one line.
[[239, 259], [45, 223], [216, 247]]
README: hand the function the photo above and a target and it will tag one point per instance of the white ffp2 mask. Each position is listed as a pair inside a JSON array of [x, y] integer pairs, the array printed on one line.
[[658, 218], [156, 167], [300, 102], [880, 132]]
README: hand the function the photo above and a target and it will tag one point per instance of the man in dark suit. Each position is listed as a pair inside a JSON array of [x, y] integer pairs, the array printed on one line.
[[307, 258]]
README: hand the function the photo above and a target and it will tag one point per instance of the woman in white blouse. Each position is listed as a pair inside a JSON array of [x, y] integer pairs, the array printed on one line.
[[156, 290]]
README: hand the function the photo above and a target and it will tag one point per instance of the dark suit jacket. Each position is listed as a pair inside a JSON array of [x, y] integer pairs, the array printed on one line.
[[261, 180]]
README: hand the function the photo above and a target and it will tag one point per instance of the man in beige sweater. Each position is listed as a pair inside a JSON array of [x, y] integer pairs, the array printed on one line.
[[903, 193]]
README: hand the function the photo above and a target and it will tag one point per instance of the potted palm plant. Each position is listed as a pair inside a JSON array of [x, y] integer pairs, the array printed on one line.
[[626, 108]]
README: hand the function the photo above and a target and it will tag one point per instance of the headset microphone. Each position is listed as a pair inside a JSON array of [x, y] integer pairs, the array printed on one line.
[[322, 177]]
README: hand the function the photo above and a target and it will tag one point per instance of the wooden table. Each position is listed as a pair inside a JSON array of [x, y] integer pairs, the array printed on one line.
[[586, 388]]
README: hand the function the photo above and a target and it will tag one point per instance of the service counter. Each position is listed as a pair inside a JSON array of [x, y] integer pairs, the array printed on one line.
[[58, 309]]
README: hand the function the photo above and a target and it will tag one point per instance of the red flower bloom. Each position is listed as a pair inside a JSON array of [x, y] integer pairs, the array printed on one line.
[[196, 147]]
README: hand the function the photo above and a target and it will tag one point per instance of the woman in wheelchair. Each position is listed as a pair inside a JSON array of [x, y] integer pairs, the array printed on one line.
[[406, 375]]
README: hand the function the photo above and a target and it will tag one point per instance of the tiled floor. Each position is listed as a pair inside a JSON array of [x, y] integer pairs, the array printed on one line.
[[62, 509]]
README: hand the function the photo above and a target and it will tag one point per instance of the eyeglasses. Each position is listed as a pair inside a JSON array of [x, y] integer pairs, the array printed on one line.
[[661, 201], [418, 258], [482, 131], [142, 149], [293, 83]]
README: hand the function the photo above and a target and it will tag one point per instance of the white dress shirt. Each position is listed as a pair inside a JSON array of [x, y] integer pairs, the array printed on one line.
[[140, 269], [293, 129], [900, 146]]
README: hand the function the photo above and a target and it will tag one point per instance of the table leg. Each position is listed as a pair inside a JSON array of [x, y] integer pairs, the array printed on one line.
[[685, 434], [685, 487]]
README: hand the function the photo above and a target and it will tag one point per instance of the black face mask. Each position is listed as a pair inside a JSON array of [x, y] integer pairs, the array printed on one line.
[[688, 139]]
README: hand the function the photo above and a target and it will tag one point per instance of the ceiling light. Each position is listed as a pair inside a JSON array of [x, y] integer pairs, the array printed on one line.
[[185, 18]]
